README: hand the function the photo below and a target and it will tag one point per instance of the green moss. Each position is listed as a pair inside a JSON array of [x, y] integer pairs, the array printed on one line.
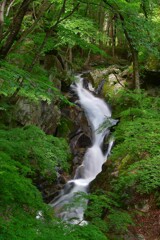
[[108, 90], [65, 127]]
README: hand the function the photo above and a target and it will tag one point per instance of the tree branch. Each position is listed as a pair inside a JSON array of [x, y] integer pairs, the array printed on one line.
[[42, 10], [118, 80], [9, 7], [2, 7], [14, 28], [65, 17]]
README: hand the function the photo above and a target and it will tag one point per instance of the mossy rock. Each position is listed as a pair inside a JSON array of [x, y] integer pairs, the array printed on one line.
[[108, 90], [126, 161], [66, 126], [98, 75]]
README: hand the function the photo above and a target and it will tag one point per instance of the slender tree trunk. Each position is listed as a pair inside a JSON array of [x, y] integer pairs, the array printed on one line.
[[14, 28], [38, 52], [130, 43], [101, 16], [70, 55], [43, 8], [134, 53], [113, 37], [2, 7], [110, 29], [88, 59], [136, 69]]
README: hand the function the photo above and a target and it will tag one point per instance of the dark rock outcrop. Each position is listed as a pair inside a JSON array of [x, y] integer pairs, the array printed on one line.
[[44, 115]]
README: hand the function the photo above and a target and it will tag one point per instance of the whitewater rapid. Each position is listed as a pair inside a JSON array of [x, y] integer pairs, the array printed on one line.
[[66, 205]]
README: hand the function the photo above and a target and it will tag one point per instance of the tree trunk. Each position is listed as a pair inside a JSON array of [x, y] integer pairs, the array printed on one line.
[[136, 69], [88, 59], [130, 43], [134, 53], [2, 6], [70, 55], [14, 28], [43, 8], [113, 37], [135, 63]]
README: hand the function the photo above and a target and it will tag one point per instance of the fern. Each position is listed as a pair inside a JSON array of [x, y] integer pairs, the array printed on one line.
[[136, 154], [35, 86], [32, 148]]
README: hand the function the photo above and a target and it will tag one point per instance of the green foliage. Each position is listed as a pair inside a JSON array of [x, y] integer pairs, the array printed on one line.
[[20, 200], [142, 175], [24, 153], [65, 127], [137, 152], [134, 168], [27, 152], [119, 221], [87, 232], [32, 148], [80, 31], [26, 227], [34, 86], [105, 212], [13, 184]]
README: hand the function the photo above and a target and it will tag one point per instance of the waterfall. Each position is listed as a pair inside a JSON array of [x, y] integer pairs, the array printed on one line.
[[96, 111]]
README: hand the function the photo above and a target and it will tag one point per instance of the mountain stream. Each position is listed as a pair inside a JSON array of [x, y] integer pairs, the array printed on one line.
[[66, 205]]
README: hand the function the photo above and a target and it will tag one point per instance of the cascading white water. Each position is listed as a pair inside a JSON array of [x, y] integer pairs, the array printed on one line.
[[96, 111]]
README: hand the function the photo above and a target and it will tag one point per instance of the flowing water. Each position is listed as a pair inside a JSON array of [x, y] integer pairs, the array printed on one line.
[[66, 205]]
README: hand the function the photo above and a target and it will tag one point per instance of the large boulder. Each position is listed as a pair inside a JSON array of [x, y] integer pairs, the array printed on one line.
[[110, 80], [44, 115]]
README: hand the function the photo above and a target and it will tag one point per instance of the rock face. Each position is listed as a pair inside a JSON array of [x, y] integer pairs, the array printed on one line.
[[44, 115], [78, 133], [111, 80]]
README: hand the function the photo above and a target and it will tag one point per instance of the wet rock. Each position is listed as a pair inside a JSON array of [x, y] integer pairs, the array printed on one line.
[[103, 179], [78, 133], [110, 80], [100, 86], [125, 73], [98, 74], [44, 115]]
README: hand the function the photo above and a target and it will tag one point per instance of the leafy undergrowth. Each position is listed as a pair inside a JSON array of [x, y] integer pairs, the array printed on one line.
[[137, 152], [133, 169], [24, 153], [136, 155]]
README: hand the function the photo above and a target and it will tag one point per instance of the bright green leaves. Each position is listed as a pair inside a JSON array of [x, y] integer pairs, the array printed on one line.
[[32, 148], [19, 201], [86, 232], [16, 187], [105, 212], [34, 86], [80, 31], [143, 176], [147, 174], [26, 153], [119, 221], [137, 151]]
